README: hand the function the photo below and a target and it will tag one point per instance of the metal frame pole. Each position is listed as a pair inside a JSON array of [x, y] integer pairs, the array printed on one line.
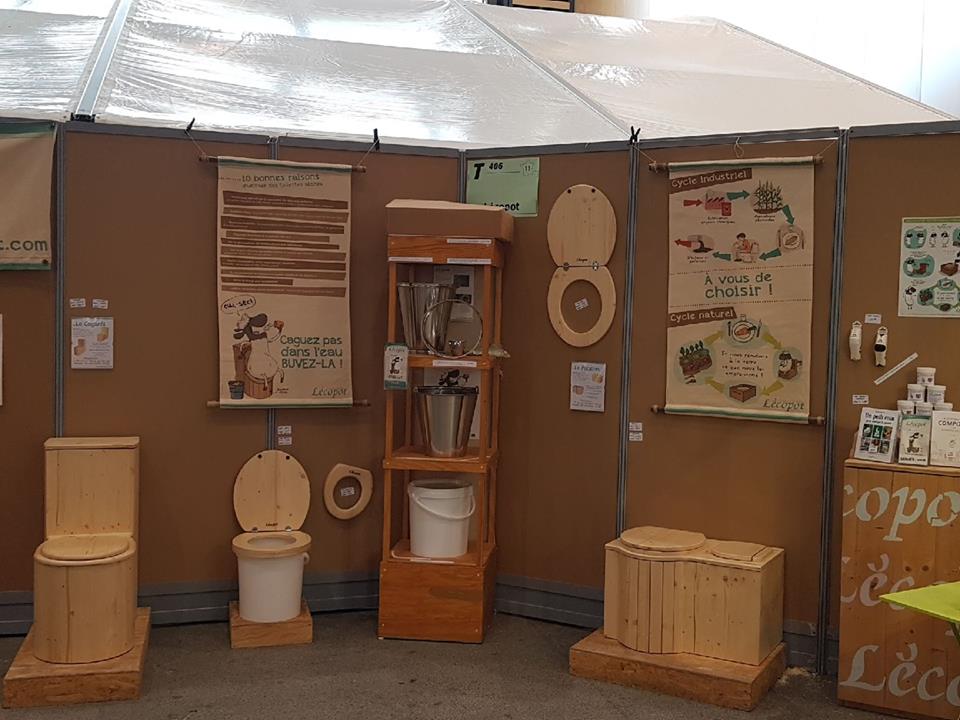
[[60, 278], [826, 507]]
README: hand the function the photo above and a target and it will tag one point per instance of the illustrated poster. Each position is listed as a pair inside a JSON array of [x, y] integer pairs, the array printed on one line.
[[929, 263], [283, 258], [741, 290], [91, 343]]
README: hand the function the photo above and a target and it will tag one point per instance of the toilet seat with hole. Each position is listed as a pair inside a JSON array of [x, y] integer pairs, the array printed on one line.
[[283, 543], [338, 473], [581, 235], [603, 282]]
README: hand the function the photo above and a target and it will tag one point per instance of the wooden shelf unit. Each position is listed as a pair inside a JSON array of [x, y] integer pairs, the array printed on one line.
[[415, 591]]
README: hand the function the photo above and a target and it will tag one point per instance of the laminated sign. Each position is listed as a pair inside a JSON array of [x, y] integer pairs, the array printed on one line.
[[26, 177], [283, 262], [741, 289]]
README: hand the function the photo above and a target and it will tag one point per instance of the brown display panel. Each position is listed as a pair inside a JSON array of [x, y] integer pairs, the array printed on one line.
[[557, 485], [760, 481], [888, 178], [324, 437], [26, 417], [141, 233]]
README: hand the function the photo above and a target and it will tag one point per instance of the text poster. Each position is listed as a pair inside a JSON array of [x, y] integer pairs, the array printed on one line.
[[588, 384], [26, 179], [283, 259], [509, 183], [91, 343], [741, 290], [929, 262]]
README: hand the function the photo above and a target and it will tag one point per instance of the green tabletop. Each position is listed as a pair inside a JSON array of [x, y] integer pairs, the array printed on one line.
[[939, 601]]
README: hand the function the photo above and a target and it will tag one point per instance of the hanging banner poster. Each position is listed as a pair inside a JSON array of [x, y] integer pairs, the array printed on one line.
[[509, 183], [26, 179], [741, 289], [929, 265], [283, 259]]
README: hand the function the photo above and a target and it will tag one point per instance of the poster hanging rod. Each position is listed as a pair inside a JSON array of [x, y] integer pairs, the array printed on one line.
[[216, 404], [801, 160], [817, 420], [215, 158]]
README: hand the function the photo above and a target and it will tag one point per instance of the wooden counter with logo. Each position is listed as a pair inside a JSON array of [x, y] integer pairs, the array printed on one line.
[[900, 530]]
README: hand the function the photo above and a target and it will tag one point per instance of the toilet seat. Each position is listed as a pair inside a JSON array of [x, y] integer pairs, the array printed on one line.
[[340, 472], [602, 280], [648, 537], [81, 548], [271, 498], [279, 544], [581, 235]]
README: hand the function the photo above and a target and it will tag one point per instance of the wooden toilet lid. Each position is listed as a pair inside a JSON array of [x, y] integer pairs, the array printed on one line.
[[85, 547], [648, 537], [582, 228], [272, 492], [735, 550]]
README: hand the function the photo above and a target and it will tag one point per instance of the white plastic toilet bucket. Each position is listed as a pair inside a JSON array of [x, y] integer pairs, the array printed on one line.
[[271, 588], [440, 512]]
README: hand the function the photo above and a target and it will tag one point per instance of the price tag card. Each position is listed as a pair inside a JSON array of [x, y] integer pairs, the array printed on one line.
[[395, 369]]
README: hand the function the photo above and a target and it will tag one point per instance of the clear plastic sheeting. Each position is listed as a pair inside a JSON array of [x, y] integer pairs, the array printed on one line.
[[44, 56], [424, 71], [697, 77]]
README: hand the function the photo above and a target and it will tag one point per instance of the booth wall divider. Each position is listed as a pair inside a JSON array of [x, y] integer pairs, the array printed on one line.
[[732, 479], [894, 172], [557, 481]]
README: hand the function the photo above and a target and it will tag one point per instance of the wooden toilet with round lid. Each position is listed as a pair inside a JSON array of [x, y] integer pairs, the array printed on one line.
[[271, 498], [85, 572]]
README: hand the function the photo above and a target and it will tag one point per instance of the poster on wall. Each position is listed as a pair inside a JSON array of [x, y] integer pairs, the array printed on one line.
[[26, 179], [929, 265], [509, 183], [283, 264], [91, 343], [741, 289]]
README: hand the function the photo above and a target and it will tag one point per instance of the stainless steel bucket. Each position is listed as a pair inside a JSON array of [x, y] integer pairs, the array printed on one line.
[[415, 299], [446, 414]]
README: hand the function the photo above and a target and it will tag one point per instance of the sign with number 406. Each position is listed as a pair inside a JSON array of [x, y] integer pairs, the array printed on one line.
[[510, 183]]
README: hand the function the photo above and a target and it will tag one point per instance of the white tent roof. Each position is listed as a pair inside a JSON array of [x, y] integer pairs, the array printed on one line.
[[443, 72]]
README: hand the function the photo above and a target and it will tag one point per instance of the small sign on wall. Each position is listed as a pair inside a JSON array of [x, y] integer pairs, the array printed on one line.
[[91, 343], [588, 382], [509, 183]]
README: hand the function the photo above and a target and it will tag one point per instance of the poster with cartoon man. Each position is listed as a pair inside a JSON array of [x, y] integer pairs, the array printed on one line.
[[741, 289], [283, 258]]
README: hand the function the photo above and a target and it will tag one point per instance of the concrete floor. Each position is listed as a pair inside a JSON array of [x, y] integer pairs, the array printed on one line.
[[519, 672]]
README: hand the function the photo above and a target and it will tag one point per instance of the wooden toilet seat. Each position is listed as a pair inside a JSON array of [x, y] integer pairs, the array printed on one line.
[[603, 282], [341, 472], [271, 498], [85, 548], [278, 544], [581, 235]]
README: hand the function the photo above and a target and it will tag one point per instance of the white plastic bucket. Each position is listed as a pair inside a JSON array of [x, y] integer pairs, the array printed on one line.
[[271, 588], [440, 512]]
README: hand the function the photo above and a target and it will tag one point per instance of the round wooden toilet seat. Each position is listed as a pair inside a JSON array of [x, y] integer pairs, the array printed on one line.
[[581, 235], [340, 472], [602, 280], [282, 543]]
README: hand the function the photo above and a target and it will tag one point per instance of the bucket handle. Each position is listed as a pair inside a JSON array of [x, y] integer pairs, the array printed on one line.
[[443, 516]]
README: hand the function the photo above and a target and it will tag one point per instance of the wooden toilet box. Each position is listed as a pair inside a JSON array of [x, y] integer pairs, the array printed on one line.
[[671, 591]]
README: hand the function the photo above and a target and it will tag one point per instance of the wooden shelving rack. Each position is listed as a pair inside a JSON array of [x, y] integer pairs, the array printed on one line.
[[449, 599]]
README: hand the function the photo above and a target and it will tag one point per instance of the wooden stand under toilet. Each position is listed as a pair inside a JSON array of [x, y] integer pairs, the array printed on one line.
[[246, 634]]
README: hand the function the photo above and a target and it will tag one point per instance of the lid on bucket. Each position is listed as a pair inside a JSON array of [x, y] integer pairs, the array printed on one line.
[[447, 390], [272, 492]]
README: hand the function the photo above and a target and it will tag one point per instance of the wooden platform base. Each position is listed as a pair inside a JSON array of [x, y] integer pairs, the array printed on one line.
[[34, 683], [246, 634], [717, 682], [437, 601]]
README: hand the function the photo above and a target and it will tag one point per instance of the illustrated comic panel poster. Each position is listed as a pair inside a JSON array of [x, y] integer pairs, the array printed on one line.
[[741, 289], [283, 260], [929, 262]]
